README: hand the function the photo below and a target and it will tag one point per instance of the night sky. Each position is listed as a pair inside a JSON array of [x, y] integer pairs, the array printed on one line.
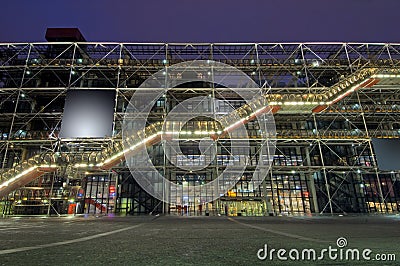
[[205, 20]]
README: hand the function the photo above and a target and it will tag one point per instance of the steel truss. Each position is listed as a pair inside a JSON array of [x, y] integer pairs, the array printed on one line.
[[333, 98]]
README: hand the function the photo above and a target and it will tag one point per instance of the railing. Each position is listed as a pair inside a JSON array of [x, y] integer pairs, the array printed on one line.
[[41, 163], [115, 154]]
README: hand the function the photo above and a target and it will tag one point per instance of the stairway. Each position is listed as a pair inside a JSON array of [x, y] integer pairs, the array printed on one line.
[[46, 162]]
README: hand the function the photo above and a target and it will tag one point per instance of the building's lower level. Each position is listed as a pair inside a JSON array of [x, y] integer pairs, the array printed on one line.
[[289, 193]]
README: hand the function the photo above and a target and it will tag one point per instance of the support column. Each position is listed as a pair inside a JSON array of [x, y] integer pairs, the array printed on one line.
[[328, 193], [382, 199], [311, 184]]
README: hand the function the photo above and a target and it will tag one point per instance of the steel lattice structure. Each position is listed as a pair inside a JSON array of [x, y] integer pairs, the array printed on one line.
[[329, 100]]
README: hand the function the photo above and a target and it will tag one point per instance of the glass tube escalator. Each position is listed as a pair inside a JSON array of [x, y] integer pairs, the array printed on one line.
[[39, 164]]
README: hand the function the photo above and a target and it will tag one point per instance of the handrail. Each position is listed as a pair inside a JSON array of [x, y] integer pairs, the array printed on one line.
[[105, 159]]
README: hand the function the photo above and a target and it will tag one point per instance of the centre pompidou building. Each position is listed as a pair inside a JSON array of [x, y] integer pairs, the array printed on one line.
[[328, 102]]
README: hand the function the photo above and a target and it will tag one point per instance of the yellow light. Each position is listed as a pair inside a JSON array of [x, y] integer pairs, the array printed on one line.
[[18, 176], [231, 193], [81, 165]]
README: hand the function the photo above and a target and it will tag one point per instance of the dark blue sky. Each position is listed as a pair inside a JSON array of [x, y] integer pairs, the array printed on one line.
[[205, 20]]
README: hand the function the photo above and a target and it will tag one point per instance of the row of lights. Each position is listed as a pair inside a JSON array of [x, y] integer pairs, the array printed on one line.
[[160, 133], [27, 171], [351, 80], [297, 103], [336, 89], [386, 76], [28, 72]]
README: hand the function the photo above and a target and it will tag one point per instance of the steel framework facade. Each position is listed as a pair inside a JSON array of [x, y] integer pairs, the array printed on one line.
[[331, 99]]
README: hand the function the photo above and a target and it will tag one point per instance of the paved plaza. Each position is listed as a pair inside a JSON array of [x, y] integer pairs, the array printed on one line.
[[174, 240]]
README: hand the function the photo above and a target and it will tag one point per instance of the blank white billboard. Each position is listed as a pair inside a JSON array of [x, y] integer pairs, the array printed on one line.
[[387, 153], [88, 114]]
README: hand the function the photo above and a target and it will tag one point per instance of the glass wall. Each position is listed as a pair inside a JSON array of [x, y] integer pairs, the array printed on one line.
[[100, 194]]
